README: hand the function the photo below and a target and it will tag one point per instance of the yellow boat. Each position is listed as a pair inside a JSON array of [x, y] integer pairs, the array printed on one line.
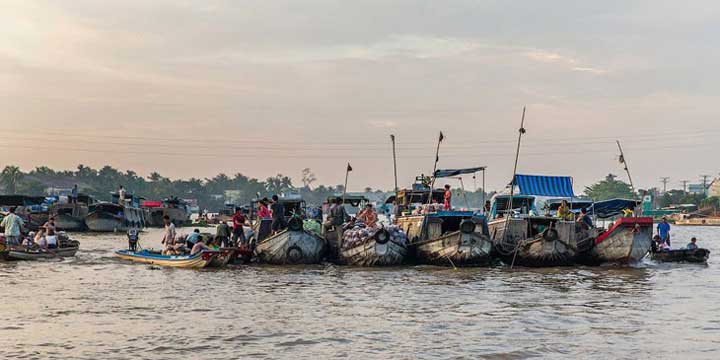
[[197, 261]]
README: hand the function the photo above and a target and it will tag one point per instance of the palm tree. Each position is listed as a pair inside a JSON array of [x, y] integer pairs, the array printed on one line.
[[10, 178]]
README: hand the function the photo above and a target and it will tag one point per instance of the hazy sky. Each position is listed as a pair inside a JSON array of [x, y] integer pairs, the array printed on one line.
[[193, 88]]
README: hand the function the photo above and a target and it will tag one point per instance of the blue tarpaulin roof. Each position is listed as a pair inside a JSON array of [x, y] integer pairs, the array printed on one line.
[[455, 172], [609, 208], [560, 186]]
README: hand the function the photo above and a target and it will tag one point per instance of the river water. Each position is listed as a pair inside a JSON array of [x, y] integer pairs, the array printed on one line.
[[95, 306]]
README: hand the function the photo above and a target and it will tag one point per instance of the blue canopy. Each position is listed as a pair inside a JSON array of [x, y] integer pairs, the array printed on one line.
[[455, 172], [560, 186], [609, 208]]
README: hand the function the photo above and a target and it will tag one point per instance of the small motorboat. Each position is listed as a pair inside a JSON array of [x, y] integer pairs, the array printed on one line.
[[683, 255], [66, 248], [197, 261]]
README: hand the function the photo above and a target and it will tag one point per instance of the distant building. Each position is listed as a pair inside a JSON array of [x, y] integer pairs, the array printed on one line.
[[696, 189]]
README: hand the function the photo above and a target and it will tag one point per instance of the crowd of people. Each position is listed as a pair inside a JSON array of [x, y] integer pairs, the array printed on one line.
[[45, 238]]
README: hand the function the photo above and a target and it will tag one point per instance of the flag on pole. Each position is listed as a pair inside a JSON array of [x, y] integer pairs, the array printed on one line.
[[442, 137], [349, 168]]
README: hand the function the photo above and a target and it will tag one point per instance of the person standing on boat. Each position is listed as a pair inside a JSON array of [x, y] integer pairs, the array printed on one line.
[[13, 225], [121, 195], [487, 208], [278, 215], [74, 195], [663, 229], [336, 218], [447, 205], [265, 218], [169, 235], [222, 233], [238, 227]]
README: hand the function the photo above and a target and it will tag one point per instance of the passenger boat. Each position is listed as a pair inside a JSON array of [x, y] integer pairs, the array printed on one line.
[[112, 217], [71, 217], [628, 239], [66, 248], [197, 261], [683, 255], [524, 237], [442, 237], [177, 209], [291, 246]]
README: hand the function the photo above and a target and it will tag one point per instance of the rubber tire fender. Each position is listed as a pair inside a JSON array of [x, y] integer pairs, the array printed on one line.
[[294, 254], [382, 237], [295, 224], [550, 235], [467, 226]]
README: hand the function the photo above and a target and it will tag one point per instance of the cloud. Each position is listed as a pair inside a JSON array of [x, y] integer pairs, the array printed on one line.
[[383, 124]]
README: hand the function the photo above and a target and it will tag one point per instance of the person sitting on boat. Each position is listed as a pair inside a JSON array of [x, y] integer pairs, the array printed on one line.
[[51, 237], [692, 245], [50, 224], [564, 211], [28, 241], [663, 229], [40, 239], [656, 244], [628, 212], [447, 198], [585, 219], [13, 225], [368, 216], [200, 246], [193, 238]]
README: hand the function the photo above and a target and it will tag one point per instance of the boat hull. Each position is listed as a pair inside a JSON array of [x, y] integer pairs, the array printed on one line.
[[291, 247], [699, 256], [197, 261], [222, 259], [628, 241], [36, 254], [373, 253], [110, 223], [456, 249], [69, 223], [519, 248]]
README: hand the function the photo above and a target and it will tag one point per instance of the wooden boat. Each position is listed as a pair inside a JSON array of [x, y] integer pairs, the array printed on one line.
[[66, 248], [697, 220], [291, 246], [225, 255], [683, 255], [524, 237], [71, 217], [378, 250], [32, 209], [197, 261], [177, 209], [627, 241], [113, 217]]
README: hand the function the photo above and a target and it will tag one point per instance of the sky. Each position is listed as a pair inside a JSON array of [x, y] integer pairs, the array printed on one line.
[[261, 87]]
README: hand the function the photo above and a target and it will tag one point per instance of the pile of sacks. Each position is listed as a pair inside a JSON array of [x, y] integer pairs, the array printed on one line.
[[360, 233]]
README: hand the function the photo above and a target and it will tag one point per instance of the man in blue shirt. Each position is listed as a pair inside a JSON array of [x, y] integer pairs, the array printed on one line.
[[663, 229], [692, 245]]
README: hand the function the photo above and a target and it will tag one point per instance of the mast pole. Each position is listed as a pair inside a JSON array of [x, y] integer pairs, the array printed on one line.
[[392, 137], [512, 186]]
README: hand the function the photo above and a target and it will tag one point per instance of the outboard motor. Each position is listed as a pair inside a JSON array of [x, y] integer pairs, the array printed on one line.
[[133, 237]]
